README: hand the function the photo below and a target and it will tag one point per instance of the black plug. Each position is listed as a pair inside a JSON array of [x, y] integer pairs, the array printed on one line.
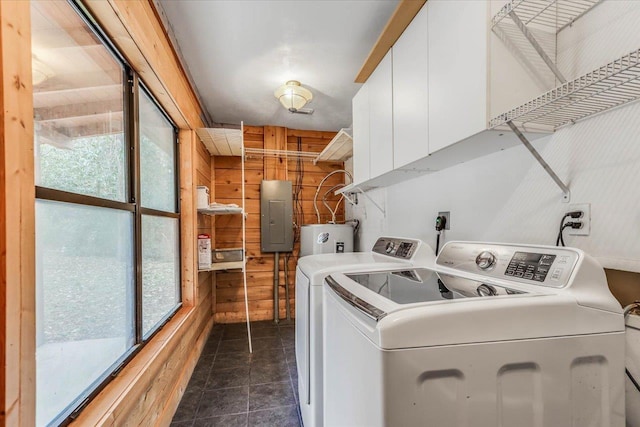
[[441, 222], [574, 214], [575, 225]]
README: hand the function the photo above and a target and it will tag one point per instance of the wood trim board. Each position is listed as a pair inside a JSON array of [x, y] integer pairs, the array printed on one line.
[[17, 240], [399, 21]]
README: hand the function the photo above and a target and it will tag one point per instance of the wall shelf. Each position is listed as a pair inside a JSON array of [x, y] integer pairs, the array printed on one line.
[[281, 154], [350, 190], [224, 266], [339, 149], [530, 27], [611, 85], [222, 210], [221, 141], [552, 15]]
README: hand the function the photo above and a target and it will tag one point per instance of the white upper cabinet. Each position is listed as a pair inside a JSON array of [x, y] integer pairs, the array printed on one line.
[[360, 107], [381, 118], [430, 99], [410, 93], [458, 34]]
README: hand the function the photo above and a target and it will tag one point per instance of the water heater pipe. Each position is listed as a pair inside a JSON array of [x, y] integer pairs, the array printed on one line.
[[315, 197]]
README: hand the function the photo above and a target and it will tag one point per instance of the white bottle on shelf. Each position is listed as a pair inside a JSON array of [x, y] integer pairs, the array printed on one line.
[[204, 252]]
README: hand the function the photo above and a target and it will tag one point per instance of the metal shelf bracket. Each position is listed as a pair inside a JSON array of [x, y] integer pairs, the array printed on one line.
[[566, 193], [529, 36], [352, 197]]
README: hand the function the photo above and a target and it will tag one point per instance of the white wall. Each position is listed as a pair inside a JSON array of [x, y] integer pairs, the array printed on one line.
[[507, 196]]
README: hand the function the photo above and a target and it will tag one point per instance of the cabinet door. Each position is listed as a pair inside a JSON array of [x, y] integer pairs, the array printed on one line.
[[381, 118], [457, 70], [360, 105], [410, 93]]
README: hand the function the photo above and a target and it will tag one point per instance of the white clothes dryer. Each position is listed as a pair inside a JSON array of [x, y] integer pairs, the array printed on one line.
[[387, 252], [492, 335]]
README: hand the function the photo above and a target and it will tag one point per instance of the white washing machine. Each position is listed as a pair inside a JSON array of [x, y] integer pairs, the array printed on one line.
[[387, 252], [493, 335], [633, 367]]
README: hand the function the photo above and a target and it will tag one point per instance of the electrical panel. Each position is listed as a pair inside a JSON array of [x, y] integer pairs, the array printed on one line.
[[276, 216]]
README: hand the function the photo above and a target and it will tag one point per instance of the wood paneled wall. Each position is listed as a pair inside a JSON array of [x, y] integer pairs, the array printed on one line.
[[229, 306]]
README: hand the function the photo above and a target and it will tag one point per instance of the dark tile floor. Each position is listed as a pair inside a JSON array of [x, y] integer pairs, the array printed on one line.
[[232, 387]]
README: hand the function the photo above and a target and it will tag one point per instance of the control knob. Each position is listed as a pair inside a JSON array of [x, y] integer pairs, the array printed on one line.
[[485, 290], [486, 260], [389, 248]]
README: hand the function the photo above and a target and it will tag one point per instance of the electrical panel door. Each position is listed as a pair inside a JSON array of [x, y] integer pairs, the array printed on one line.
[[276, 216]]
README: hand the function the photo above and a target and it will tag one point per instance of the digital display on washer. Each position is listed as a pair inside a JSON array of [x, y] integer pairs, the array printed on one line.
[[531, 266]]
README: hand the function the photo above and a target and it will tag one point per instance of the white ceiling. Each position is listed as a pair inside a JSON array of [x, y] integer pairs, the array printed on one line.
[[239, 52]]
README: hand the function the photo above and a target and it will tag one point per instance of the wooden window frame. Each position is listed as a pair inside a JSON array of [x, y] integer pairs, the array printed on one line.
[[133, 89], [136, 30]]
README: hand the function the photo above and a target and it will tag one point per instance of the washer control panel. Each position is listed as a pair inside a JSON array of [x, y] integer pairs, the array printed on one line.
[[397, 248], [530, 265], [547, 266]]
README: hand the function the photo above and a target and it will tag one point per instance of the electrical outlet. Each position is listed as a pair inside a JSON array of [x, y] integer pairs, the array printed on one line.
[[585, 220], [447, 215]]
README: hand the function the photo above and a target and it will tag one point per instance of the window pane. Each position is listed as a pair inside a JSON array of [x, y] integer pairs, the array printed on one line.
[[157, 158], [160, 270], [84, 299], [78, 106]]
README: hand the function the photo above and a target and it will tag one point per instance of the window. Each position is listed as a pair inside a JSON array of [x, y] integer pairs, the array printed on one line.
[[160, 270], [85, 291], [160, 228], [107, 219]]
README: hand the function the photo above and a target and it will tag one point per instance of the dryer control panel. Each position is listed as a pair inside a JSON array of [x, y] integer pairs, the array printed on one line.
[[542, 265], [397, 248]]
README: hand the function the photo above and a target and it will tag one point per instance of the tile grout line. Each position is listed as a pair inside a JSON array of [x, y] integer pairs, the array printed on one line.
[[270, 408]]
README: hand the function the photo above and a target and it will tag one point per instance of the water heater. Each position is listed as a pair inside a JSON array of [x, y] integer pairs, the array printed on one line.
[[326, 239]]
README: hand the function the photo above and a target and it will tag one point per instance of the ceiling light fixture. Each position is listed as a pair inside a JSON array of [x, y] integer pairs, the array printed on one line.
[[293, 96]]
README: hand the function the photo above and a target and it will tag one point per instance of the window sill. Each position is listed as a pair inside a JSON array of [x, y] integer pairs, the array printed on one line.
[[141, 388]]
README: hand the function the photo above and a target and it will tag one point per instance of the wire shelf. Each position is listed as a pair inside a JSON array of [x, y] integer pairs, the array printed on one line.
[[339, 149], [221, 141], [552, 15], [221, 210], [610, 86], [232, 265], [286, 154]]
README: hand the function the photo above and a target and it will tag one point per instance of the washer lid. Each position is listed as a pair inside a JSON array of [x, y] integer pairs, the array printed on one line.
[[406, 308], [398, 289], [423, 285]]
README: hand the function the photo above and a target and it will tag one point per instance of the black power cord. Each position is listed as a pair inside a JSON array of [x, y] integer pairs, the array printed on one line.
[[573, 224], [633, 380], [441, 222]]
